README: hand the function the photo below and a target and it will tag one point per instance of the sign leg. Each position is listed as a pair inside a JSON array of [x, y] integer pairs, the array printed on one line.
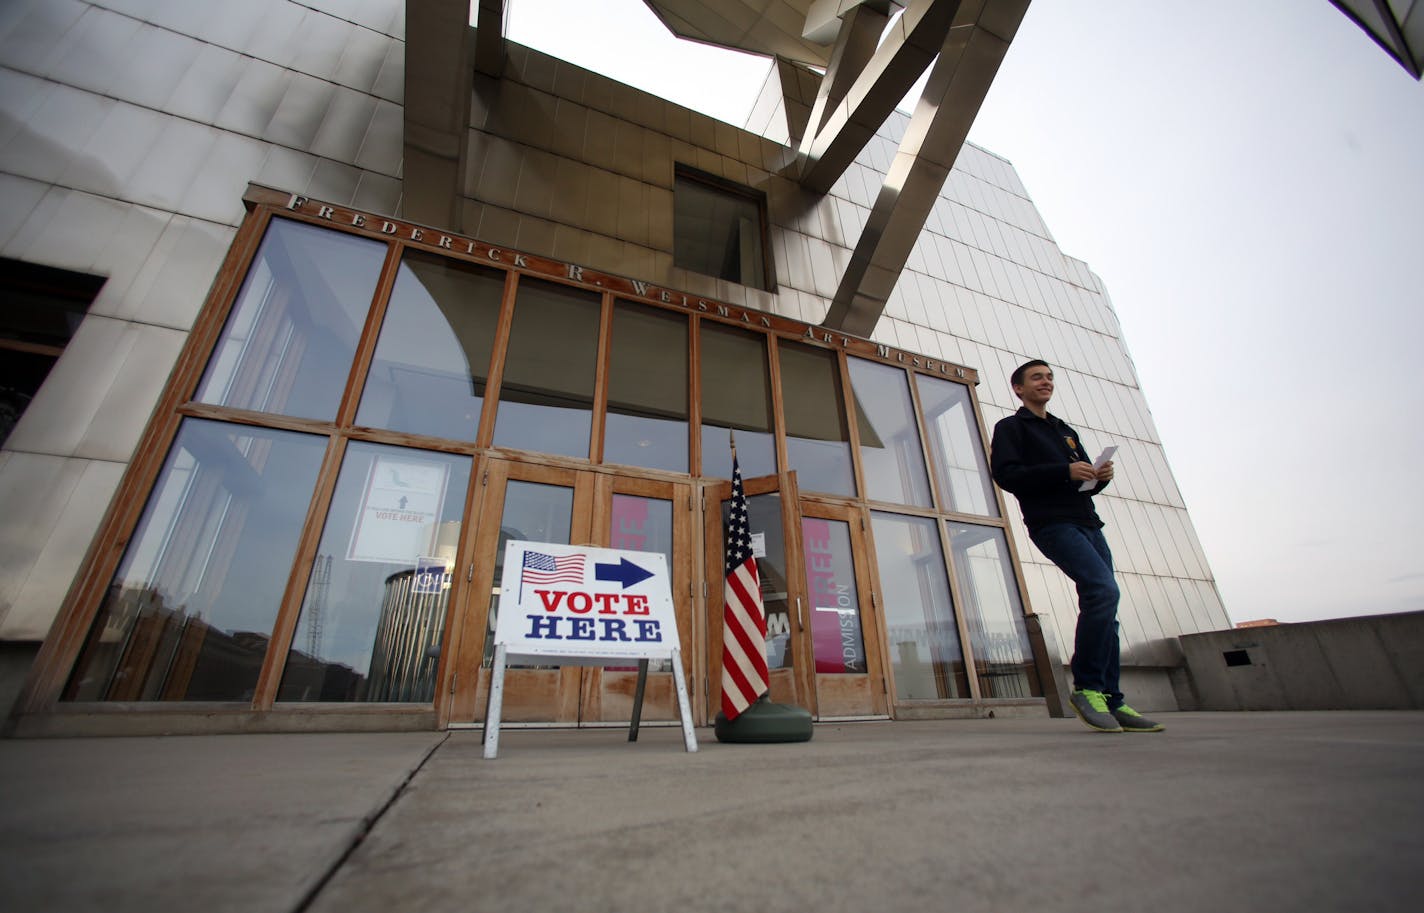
[[684, 707], [638, 700], [495, 704]]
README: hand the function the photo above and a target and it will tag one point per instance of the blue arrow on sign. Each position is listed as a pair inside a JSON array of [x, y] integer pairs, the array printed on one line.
[[625, 572]]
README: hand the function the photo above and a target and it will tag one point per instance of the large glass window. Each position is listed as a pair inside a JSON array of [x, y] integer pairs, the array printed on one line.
[[189, 614], [433, 357], [546, 396], [736, 394], [374, 612], [956, 449], [288, 344], [717, 229], [993, 612], [647, 389], [890, 449], [817, 436], [925, 654]]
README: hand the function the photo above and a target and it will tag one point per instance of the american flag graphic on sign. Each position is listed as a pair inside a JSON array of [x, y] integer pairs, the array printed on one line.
[[542, 568], [744, 671]]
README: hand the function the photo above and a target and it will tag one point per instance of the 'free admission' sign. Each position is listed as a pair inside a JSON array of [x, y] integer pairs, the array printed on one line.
[[583, 602]]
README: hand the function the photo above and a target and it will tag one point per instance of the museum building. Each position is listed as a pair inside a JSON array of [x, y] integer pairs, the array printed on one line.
[[316, 305]]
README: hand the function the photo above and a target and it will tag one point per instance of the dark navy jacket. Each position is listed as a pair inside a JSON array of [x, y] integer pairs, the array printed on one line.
[[1029, 457]]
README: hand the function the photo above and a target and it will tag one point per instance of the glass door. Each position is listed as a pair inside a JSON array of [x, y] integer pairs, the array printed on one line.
[[775, 527], [845, 648], [644, 515], [521, 501]]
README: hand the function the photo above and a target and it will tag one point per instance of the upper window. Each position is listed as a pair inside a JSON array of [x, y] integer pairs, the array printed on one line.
[[719, 229], [546, 398], [432, 361], [40, 308], [288, 344], [647, 389]]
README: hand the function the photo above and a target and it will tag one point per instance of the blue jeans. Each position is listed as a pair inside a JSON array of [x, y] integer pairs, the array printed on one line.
[[1082, 553]]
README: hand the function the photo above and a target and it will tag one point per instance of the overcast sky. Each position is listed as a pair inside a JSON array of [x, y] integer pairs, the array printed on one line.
[[1246, 179]]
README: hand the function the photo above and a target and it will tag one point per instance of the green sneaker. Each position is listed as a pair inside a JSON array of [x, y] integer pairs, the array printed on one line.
[[1132, 721], [1092, 709]]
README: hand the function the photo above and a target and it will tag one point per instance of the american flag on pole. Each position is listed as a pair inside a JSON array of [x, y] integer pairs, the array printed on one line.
[[744, 672]]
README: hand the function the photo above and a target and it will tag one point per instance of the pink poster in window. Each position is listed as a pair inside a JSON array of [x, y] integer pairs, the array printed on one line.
[[836, 640]]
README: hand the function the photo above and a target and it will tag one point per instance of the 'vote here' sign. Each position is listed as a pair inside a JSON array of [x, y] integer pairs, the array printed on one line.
[[579, 601]]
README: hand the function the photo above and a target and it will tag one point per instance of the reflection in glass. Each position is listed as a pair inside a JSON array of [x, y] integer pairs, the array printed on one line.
[[736, 394], [643, 525], [925, 653], [433, 357], [189, 614], [764, 516], [546, 395], [817, 436], [533, 512], [956, 448], [288, 344], [890, 448], [374, 613], [647, 389], [993, 612], [836, 638]]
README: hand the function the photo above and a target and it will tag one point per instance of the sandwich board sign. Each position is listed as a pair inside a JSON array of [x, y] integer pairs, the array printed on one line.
[[580, 605]]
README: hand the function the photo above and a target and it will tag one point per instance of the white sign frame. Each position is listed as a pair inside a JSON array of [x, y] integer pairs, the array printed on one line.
[[587, 606]]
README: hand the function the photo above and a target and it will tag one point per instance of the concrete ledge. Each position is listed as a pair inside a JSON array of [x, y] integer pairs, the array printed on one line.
[[1374, 662]]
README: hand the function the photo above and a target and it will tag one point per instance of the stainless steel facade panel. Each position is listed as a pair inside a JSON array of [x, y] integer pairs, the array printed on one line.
[[154, 62], [288, 169], [111, 374], [203, 90], [275, 41], [301, 111], [255, 97], [334, 181], [54, 135], [92, 50], [381, 149], [21, 198], [378, 193], [362, 59], [534, 187], [570, 125], [31, 29], [347, 121], [51, 507], [159, 267], [172, 164]]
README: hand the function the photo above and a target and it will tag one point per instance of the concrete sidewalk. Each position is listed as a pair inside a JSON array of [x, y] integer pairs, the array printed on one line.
[[1224, 811]]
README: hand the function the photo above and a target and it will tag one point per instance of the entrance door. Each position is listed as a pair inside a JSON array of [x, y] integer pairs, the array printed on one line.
[[524, 501], [775, 527], [644, 515], [845, 645]]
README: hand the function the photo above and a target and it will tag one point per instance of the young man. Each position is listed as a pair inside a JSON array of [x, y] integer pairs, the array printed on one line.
[[1043, 463]]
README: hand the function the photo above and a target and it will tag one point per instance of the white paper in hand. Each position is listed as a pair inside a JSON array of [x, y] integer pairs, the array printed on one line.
[[1103, 457]]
